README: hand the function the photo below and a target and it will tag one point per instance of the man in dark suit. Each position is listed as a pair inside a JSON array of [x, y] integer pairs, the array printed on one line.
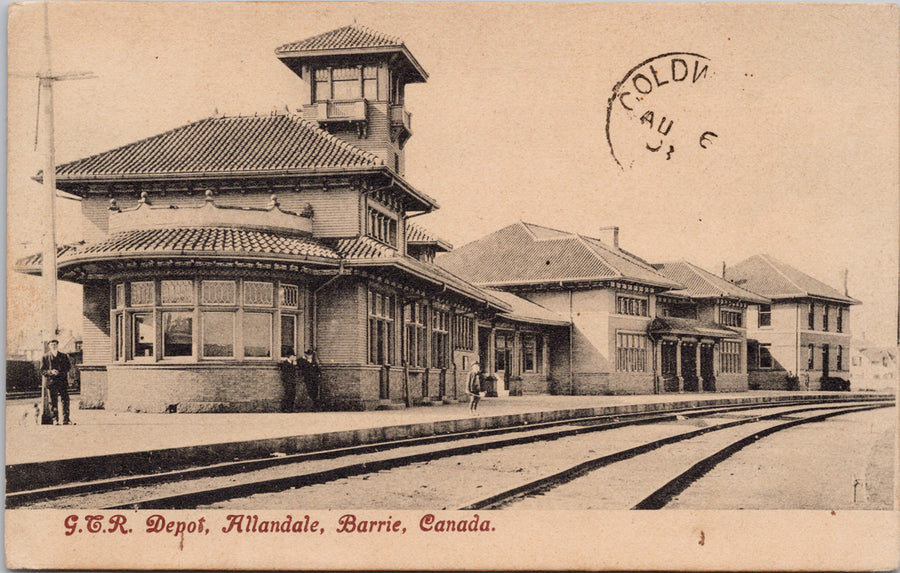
[[56, 366]]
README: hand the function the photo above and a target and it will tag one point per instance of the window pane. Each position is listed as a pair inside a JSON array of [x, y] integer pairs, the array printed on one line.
[[144, 334], [290, 296], [218, 292], [120, 337], [288, 335], [120, 295], [177, 292], [218, 334], [345, 89], [257, 334], [178, 330], [142, 293], [257, 294]]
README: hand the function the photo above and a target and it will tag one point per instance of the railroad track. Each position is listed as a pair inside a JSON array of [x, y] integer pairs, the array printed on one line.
[[220, 482]]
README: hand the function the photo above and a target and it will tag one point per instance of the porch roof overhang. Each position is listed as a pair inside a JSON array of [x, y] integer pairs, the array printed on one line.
[[690, 327]]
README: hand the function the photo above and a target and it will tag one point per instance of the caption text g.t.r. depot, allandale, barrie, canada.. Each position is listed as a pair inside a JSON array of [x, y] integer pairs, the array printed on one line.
[[252, 524]]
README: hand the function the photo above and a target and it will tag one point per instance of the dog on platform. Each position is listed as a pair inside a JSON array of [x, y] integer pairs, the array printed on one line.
[[31, 416]]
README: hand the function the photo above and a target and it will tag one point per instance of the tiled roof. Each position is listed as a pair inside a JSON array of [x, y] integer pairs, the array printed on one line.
[[776, 280], [691, 327], [703, 284], [364, 248], [352, 36], [225, 145], [418, 235], [188, 241], [526, 311], [525, 254]]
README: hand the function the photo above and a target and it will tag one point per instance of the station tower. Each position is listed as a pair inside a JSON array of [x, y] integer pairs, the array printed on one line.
[[355, 84]]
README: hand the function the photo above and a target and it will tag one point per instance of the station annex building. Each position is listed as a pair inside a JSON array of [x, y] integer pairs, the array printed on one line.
[[214, 250]]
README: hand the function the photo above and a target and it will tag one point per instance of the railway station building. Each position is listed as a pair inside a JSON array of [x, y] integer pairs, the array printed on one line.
[[635, 327], [802, 339], [214, 250]]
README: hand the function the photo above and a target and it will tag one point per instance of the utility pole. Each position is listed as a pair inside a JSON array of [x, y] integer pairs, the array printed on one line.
[[45, 136]]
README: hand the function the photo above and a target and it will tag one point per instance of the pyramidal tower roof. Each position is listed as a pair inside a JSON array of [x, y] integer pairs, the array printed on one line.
[[350, 40]]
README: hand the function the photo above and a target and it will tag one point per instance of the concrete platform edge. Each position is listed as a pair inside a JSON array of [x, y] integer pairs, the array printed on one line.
[[35, 475]]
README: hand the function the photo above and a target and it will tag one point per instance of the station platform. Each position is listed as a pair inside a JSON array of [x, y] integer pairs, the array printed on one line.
[[141, 442]]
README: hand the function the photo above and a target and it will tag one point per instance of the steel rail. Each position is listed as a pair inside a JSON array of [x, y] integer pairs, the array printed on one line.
[[582, 425], [549, 482]]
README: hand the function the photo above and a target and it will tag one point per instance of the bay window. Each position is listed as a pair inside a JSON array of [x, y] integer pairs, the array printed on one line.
[[206, 319]]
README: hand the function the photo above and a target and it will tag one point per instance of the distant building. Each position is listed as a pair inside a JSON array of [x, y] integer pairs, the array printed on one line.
[[874, 368], [800, 340], [636, 328]]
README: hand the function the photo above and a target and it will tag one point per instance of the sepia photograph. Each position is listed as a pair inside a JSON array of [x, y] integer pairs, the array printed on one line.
[[452, 285]]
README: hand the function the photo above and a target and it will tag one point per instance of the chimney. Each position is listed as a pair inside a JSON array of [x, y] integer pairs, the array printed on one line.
[[723, 269], [846, 291], [610, 232]]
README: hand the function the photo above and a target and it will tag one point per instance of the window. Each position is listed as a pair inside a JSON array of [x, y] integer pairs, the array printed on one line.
[[631, 352], [765, 315], [631, 305], [840, 319], [120, 337], [323, 84], [257, 332], [732, 318], [730, 356], [464, 332], [811, 316], [289, 335], [218, 334], [370, 82], [414, 319], [839, 358], [229, 326], [143, 334], [178, 334], [382, 227], [345, 83], [142, 293], [501, 351], [218, 292], [257, 294], [176, 292], [290, 296], [811, 357], [381, 323], [120, 296], [825, 318], [539, 353], [440, 338], [765, 356], [531, 351]]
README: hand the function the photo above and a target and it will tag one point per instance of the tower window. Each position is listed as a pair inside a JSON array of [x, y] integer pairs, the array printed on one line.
[[348, 83]]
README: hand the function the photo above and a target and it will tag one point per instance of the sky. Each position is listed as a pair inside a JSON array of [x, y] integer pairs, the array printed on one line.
[[511, 125]]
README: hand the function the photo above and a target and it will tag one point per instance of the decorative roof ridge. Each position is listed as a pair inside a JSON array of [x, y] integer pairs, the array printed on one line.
[[392, 40], [273, 205], [567, 235], [584, 241], [770, 260]]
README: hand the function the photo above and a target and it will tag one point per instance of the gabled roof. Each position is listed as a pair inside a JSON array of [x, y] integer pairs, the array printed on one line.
[[523, 253], [351, 40], [216, 146], [416, 235], [702, 284], [771, 278]]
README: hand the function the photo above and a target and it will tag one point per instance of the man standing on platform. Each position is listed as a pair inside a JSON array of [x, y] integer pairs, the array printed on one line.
[[310, 372], [55, 365]]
